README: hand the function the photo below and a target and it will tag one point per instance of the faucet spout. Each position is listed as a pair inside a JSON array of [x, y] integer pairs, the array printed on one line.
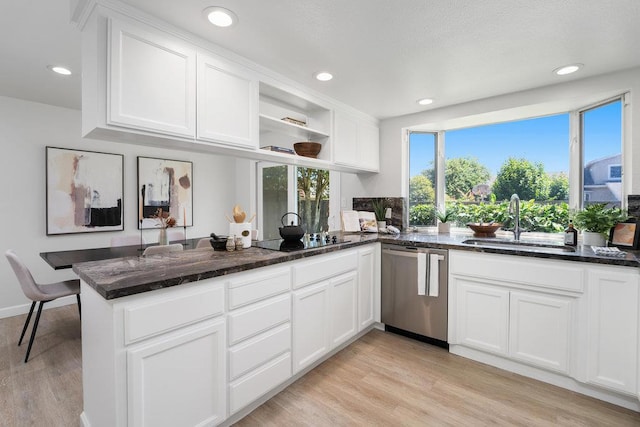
[[514, 209]]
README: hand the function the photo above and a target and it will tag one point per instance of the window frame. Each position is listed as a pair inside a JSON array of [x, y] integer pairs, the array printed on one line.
[[575, 145]]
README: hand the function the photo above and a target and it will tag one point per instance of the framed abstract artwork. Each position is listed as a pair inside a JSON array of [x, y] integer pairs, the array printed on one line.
[[165, 185], [625, 235], [84, 191]]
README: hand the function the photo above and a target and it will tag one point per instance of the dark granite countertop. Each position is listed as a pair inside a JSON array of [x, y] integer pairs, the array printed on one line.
[[121, 277], [115, 278], [455, 241]]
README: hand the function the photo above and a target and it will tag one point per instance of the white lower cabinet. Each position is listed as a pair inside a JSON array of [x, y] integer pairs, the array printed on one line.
[[343, 307], [549, 319], [201, 352], [368, 275], [159, 372], [612, 328], [311, 327], [482, 316], [539, 330]]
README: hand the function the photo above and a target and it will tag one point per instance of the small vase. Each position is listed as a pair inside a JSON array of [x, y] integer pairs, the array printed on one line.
[[382, 225], [444, 227], [163, 238], [590, 238]]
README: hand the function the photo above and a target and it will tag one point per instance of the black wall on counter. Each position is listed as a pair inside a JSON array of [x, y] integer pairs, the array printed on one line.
[[398, 207]]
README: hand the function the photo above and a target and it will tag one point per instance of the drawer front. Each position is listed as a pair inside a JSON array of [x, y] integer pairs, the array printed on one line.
[[253, 287], [516, 270], [257, 351], [248, 388], [257, 318], [316, 270], [165, 314]]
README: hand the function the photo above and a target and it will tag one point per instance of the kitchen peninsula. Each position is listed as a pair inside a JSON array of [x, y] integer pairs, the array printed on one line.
[[204, 337]]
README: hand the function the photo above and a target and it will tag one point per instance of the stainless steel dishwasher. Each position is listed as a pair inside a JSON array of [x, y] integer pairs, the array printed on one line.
[[414, 292]]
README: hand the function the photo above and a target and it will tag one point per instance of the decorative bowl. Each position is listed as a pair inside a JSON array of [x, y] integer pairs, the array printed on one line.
[[219, 243], [307, 149], [484, 229]]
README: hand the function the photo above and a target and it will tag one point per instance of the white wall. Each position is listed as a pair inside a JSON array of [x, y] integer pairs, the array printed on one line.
[[557, 98], [26, 128]]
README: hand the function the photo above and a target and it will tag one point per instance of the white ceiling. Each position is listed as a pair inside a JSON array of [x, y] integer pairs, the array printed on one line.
[[384, 54]]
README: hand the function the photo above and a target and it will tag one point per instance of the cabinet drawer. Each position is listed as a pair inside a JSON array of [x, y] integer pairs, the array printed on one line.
[[255, 384], [316, 270], [253, 287], [162, 315], [259, 350], [517, 270], [258, 318]]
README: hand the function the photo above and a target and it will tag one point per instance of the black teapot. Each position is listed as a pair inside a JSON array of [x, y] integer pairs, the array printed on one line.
[[291, 233]]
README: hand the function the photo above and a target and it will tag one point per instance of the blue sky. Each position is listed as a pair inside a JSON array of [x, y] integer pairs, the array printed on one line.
[[544, 140]]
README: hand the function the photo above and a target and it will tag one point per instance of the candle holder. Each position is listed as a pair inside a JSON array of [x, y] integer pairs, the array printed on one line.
[[185, 235], [141, 248]]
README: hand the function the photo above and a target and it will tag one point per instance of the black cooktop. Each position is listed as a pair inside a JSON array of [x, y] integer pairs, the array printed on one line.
[[314, 241]]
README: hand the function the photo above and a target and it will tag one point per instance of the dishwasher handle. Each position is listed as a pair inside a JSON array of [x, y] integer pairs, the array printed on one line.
[[428, 270], [434, 274]]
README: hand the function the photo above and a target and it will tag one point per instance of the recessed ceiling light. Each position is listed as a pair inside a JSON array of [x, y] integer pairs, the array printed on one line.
[[425, 101], [220, 17], [323, 76], [60, 70], [567, 69]]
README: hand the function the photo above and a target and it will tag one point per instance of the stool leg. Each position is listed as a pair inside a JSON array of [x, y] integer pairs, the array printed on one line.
[[33, 332], [79, 306], [26, 323]]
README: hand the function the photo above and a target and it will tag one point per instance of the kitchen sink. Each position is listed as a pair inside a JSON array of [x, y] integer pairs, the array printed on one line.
[[520, 245]]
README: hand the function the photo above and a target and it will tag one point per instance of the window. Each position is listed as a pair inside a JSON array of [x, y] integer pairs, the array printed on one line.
[[483, 166], [283, 189], [601, 136], [615, 172], [422, 195]]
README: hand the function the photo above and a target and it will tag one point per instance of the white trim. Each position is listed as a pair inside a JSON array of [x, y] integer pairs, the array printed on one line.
[[548, 377], [17, 310]]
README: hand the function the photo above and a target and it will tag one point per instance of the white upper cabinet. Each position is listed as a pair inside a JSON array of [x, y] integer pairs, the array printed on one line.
[[146, 82], [151, 81], [356, 142], [227, 103]]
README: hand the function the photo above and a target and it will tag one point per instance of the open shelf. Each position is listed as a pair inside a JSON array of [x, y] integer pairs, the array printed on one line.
[[303, 133]]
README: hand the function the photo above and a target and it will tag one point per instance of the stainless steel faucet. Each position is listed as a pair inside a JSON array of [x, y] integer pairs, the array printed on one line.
[[516, 227]]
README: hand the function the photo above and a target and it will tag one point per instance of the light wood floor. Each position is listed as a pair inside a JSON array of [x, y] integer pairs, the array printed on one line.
[[382, 379]]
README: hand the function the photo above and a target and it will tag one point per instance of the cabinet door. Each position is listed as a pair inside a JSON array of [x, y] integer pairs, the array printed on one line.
[[227, 103], [366, 281], [344, 308], [482, 316], [369, 146], [612, 329], [345, 139], [151, 82], [356, 142], [311, 324], [539, 330], [159, 372]]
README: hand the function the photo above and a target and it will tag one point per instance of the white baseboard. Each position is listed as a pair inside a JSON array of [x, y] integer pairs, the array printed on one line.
[[17, 310], [556, 379]]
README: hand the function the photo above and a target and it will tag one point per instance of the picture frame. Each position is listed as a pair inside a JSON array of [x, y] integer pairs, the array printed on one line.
[[164, 184], [625, 235], [84, 191]]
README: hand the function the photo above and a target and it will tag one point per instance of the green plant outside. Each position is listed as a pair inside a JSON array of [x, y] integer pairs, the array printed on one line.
[[537, 217]]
